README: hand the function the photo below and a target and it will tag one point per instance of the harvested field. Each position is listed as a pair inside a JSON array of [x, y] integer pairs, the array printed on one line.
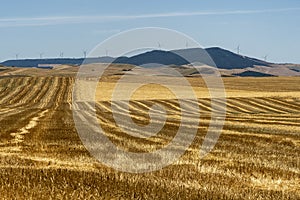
[[42, 156]]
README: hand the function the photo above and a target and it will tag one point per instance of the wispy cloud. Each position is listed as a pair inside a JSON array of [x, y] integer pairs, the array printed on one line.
[[57, 20], [106, 31]]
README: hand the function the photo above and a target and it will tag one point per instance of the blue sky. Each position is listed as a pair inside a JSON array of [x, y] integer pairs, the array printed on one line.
[[260, 27]]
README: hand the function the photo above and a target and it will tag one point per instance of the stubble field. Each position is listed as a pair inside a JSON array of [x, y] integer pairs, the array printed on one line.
[[42, 156]]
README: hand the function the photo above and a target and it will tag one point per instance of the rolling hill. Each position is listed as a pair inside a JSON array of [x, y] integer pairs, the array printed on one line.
[[223, 59], [229, 63]]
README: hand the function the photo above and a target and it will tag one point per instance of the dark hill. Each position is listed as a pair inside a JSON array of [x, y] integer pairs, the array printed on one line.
[[156, 56], [252, 74], [223, 59], [36, 62]]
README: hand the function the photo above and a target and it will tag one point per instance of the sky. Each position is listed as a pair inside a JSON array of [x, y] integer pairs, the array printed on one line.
[[261, 28]]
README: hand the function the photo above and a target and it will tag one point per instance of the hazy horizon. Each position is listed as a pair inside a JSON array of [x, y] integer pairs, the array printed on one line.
[[260, 28]]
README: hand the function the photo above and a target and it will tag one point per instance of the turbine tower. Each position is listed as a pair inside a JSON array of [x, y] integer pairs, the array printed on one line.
[[17, 56], [84, 54], [41, 55], [61, 54], [265, 58], [238, 49]]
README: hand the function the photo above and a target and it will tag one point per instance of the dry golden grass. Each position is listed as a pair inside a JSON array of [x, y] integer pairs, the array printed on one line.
[[256, 156]]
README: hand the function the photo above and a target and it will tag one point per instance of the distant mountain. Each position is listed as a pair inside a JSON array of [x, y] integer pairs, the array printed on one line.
[[225, 59], [37, 62], [222, 58], [252, 74]]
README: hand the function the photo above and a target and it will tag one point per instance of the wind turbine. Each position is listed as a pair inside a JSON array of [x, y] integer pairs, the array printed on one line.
[[61, 54], [17, 56], [106, 52], [238, 49], [84, 53], [187, 44], [159, 46], [41, 55], [265, 58]]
